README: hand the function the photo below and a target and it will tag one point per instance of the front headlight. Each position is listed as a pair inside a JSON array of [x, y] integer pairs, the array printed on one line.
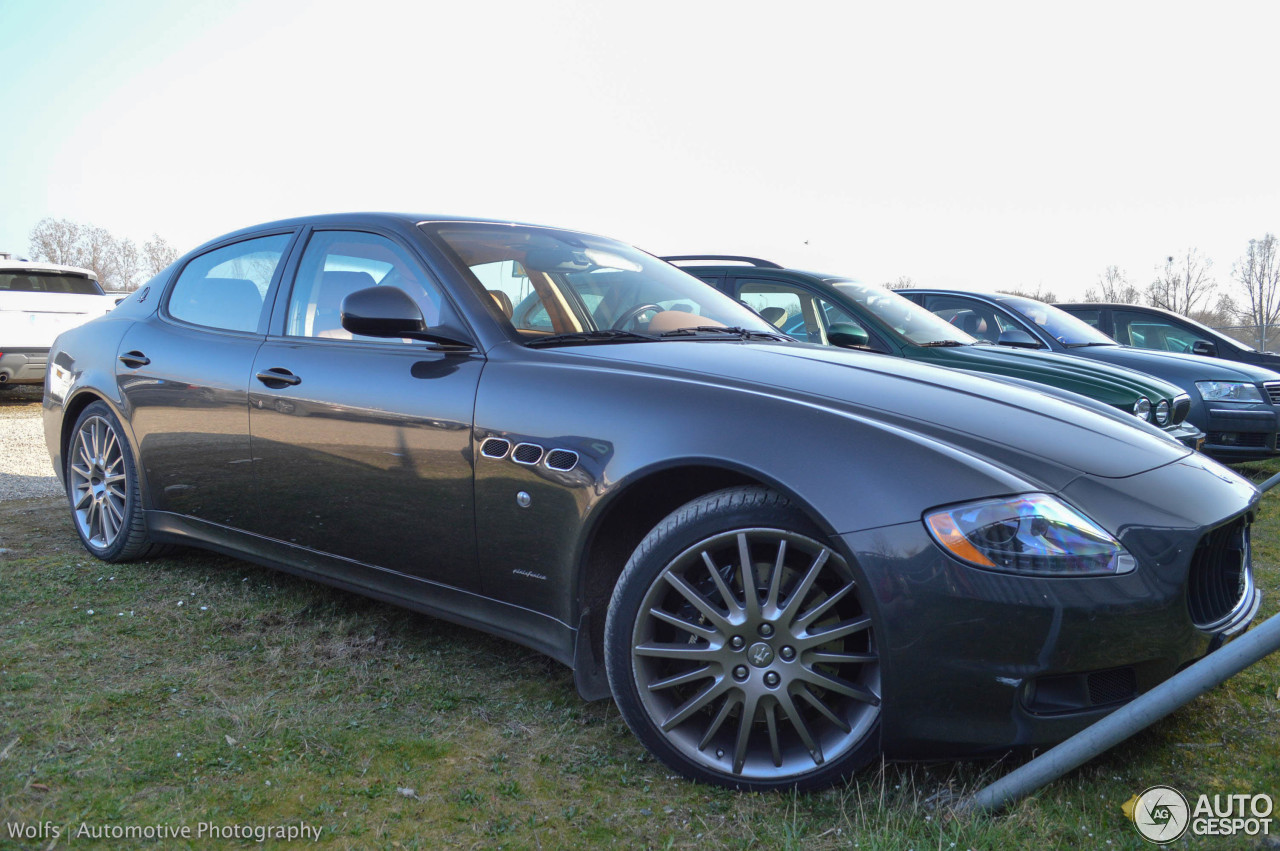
[[1228, 391], [1031, 534], [1142, 408], [1162, 413]]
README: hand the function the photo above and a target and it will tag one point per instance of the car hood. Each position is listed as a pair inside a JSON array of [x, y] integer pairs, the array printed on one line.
[[1019, 430], [1115, 385], [1178, 368]]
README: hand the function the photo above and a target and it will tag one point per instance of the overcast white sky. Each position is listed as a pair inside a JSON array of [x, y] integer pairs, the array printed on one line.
[[961, 144]]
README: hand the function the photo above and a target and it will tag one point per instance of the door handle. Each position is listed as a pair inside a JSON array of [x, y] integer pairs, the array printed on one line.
[[134, 359], [278, 377]]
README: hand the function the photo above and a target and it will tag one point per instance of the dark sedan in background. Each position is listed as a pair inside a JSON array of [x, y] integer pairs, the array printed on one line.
[[1166, 331], [1236, 404], [828, 309], [782, 560]]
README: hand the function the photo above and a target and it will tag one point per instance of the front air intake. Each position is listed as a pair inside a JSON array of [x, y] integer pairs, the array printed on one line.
[[527, 453], [563, 460], [495, 447]]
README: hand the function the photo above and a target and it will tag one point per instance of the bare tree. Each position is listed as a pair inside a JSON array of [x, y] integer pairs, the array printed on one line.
[[1040, 293], [1114, 286], [57, 241], [903, 282], [1223, 313], [1259, 277], [157, 254], [128, 262], [1182, 283], [119, 264]]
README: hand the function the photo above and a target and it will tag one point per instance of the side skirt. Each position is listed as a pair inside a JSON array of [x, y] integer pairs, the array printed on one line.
[[531, 629]]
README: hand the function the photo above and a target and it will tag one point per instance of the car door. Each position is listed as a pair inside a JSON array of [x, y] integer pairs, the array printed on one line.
[[184, 375], [363, 445]]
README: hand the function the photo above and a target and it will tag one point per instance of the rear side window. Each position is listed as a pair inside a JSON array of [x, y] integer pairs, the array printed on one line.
[[48, 282], [226, 288]]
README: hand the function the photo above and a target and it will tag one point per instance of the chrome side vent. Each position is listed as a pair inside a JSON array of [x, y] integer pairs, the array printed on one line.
[[563, 460], [495, 447], [527, 453]]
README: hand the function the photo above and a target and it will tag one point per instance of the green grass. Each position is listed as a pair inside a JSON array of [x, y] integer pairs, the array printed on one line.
[[204, 689]]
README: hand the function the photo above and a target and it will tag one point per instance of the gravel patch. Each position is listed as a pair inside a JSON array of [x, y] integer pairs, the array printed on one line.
[[25, 468]]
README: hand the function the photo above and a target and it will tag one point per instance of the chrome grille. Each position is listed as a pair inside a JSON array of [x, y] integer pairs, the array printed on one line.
[[527, 453], [563, 460], [1181, 407], [1220, 576], [495, 447], [1273, 391]]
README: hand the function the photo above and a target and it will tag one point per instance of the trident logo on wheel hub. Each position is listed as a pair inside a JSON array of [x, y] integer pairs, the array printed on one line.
[[760, 655]]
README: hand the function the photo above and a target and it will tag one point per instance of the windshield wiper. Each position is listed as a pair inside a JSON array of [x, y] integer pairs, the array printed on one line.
[[1085, 345], [945, 343], [586, 338], [734, 330]]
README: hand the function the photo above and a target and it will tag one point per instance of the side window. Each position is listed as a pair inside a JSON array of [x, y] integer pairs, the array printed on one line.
[[225, 288], [339, 263], [1091, 317], [974, 318], [1147, 332], [788, 308]]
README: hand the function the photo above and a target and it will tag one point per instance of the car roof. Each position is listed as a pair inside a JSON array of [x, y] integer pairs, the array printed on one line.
[[976, 293], [37, 266], [1119, 305], [395, 220], [690, 262]]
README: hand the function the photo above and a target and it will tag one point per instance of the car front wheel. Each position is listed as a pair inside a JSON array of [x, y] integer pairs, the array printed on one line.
[[740, 648]]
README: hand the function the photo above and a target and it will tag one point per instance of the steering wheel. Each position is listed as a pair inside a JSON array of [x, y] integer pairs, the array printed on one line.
[[630, 316]]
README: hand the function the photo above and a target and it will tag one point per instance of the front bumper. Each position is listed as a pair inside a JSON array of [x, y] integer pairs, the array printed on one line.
[[1186, 434], [1242, 432], [23, 366], [975, 661]]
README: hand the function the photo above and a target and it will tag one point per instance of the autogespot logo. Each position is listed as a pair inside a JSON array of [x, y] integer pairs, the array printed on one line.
[[1160, 814]]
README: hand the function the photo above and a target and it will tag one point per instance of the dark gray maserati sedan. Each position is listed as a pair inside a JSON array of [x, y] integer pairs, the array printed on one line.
[[781, 560]]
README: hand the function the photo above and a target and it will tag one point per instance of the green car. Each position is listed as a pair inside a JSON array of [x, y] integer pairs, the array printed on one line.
[[837, 311]]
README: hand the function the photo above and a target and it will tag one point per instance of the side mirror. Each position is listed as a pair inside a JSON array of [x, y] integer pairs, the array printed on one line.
[[848, 336], [388, 312], [1204, 347], [1017, 339]]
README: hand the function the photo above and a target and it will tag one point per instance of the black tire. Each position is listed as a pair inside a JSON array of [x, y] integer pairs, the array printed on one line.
[[103, 490], [689, 655]]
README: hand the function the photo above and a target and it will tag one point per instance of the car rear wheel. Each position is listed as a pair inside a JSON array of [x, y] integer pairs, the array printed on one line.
[[102, 487], [740, 648]]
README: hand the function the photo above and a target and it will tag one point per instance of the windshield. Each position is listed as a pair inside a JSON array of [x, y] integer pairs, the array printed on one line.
[[546, 282], [34, 281], [908, 319], [1059, 324]]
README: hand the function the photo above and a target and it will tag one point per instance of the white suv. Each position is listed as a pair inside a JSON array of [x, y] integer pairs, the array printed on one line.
[[38, 301]]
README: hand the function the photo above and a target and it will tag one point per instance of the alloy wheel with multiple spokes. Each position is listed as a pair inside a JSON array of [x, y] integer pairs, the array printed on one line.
[[753, 659], [103, 488], [98, 483]]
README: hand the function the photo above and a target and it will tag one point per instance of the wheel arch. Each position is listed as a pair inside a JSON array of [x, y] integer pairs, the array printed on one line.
[[618, 524], [72, 409]]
